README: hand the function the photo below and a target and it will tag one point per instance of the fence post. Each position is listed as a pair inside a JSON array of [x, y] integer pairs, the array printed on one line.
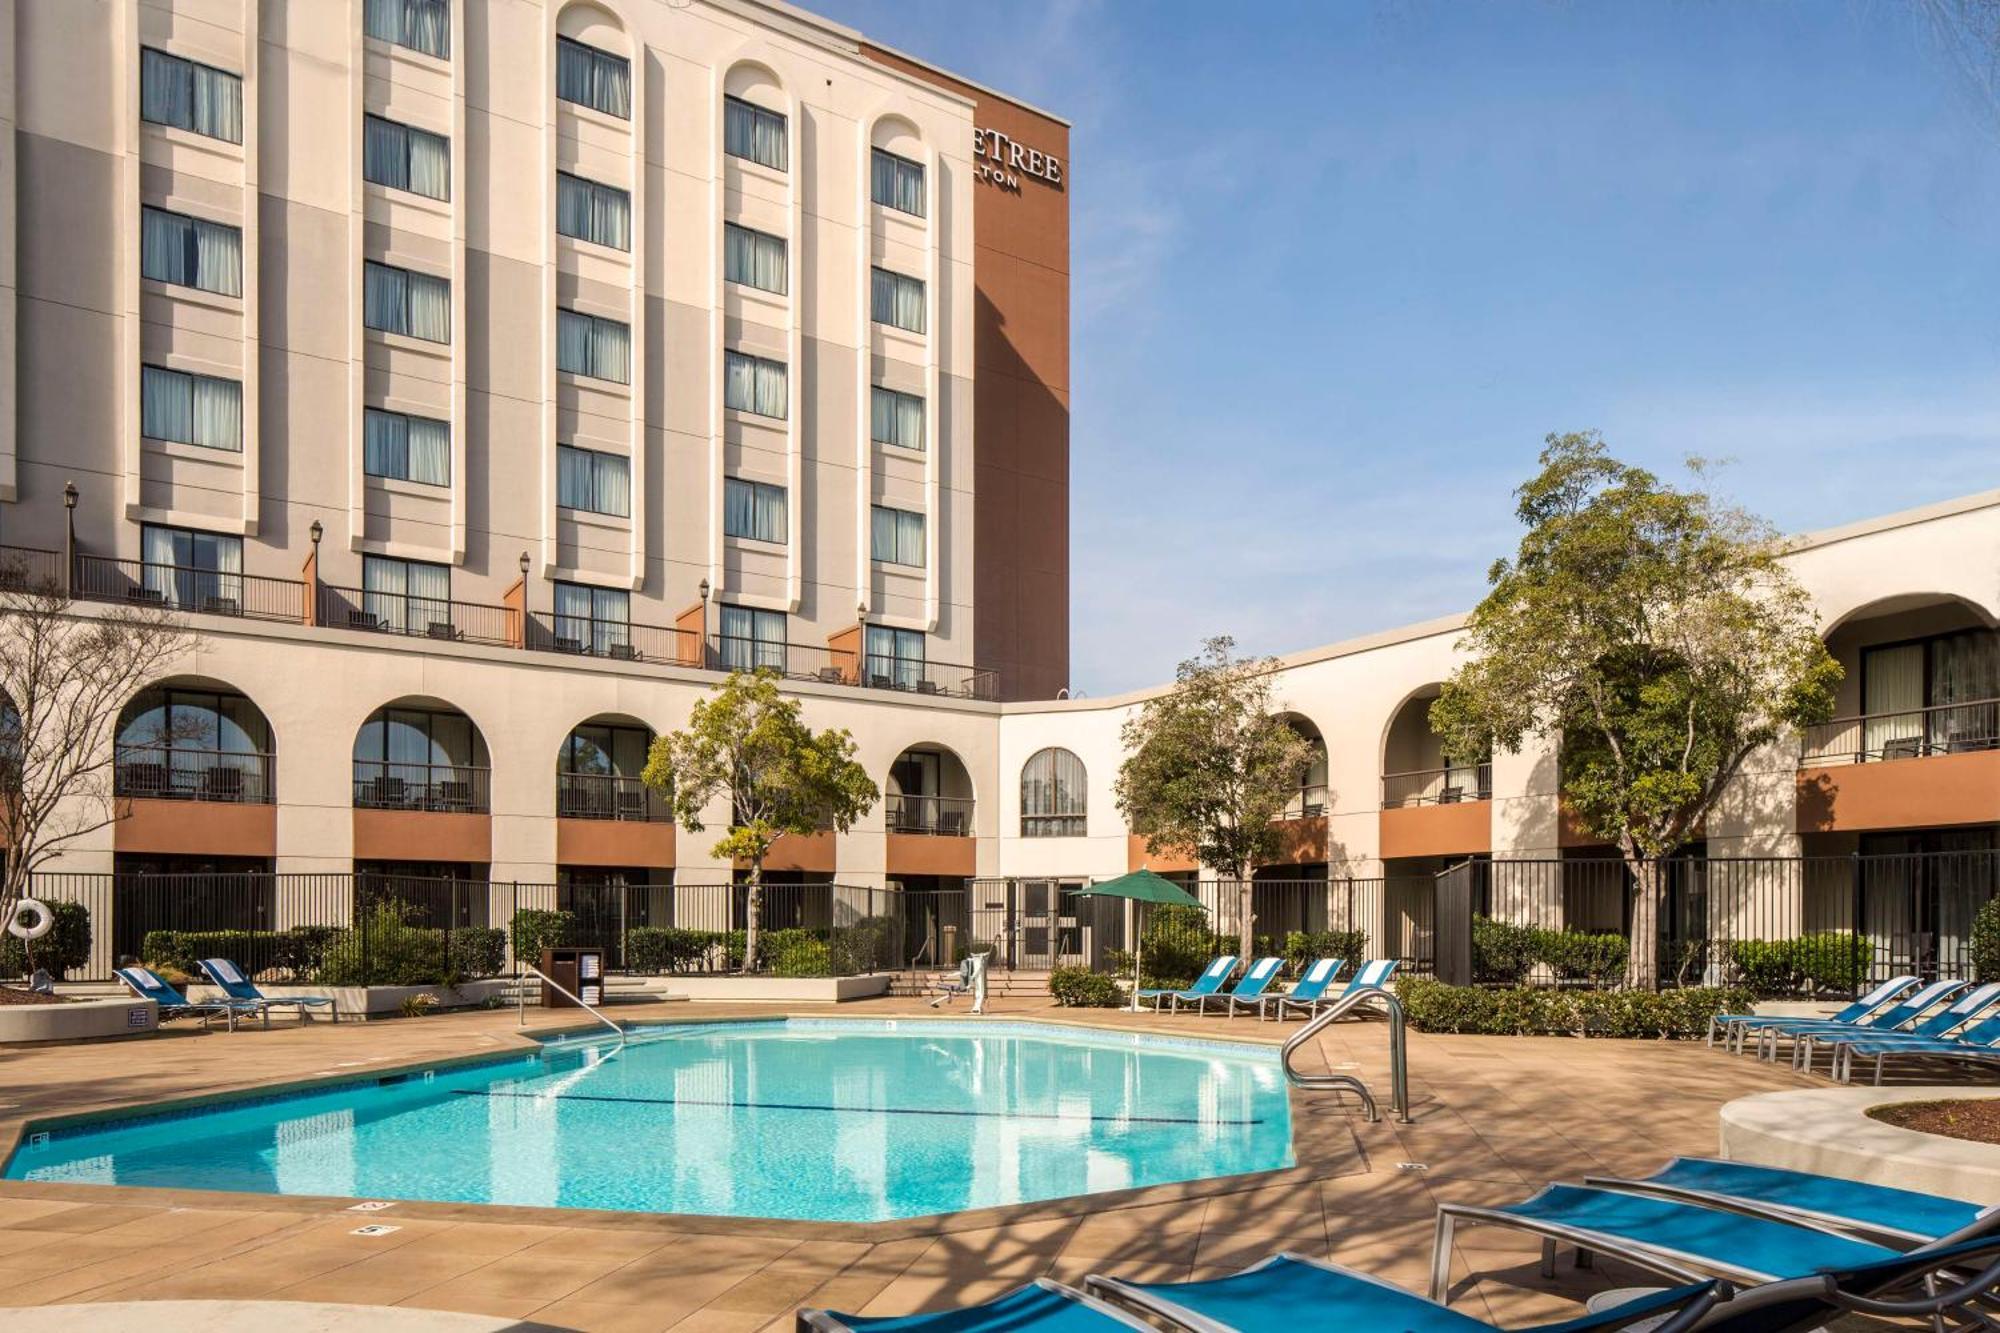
[[1857, 885], [1451, 926]]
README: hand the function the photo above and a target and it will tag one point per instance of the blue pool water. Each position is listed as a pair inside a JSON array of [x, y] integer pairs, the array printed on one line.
[[829, 1119]]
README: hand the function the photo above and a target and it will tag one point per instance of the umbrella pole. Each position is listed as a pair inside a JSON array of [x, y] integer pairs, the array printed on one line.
[[1138, 951]]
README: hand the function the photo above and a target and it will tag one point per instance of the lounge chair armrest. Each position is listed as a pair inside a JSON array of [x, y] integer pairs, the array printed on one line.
[[1696, 1309], [1980, 1284]]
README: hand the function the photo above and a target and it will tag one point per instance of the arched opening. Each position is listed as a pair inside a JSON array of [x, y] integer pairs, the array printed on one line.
[[754, 124], [1309, 801], [1416, 770], [1921, 676], [593, 61], [598, 772], [1054, 795], [421, 754], [929, 791], [191, 739]]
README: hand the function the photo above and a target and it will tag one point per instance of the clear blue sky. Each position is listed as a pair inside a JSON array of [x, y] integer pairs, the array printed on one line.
[[1338, 268]]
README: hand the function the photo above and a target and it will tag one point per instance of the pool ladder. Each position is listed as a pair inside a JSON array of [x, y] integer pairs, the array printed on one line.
[[1399, 1067], [521, 1000]]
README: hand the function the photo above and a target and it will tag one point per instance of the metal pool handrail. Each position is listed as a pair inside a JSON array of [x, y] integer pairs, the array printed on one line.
[[521, 1000], [1399, 1072]]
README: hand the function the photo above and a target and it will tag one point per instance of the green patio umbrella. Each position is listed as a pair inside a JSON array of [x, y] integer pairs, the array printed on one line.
[[1142, 886]]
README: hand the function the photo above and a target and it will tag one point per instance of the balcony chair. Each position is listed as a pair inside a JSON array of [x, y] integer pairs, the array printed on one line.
[[222, 782]]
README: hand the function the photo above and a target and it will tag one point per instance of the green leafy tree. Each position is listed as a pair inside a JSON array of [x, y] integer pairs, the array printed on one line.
[[748, 743], [1209, 765], [1654, 629]]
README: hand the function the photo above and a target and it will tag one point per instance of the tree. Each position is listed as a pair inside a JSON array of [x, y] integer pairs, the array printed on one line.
[[748, 743], [1209, 765], [65, 676], [1655, 631]]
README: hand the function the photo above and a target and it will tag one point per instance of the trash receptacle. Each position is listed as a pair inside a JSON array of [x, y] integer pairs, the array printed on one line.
[[578, 971]]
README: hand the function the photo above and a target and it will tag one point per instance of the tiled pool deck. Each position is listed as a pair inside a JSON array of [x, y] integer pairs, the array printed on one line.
[[1495, 1118]]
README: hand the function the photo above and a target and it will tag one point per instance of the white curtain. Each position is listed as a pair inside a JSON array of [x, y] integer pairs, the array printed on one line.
[[613, 490], [178, 92], [572, 342], [385, 153], [754, 384], [755, 510], [573, 614], [754, 258], [752, 132], [595, 482], [384, 297], [898, 418], [430, 164], [1893, 699], [588, 211], [421, 25], [385, 444], [218, 104], [186, 568], [218, 413], [190, 253], [593, 78], [218, 258], [1054, 794], [611, 350], [430, 451], [191, 409], [897, 536], [896, 182], [430, 308], [898, 300]]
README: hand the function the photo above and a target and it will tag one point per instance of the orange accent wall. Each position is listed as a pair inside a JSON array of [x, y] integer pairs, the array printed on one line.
[[1138, 858], [1570, 831], [791, 852], [1932, 792], [843, 647], [928, 854], [693, 626], [197, 828], [515, 599], [1300, 841], [614, 842], [1459, 829], [420, 835]]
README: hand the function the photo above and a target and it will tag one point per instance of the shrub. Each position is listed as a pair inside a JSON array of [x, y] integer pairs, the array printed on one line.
[[1304, 947], [1824, 961], [869, 945], [659, 949], [793, 952], [1178, 944], [1576, 955], [536, 929], [67, 944], [476, 951], [1986, 941], [1081, 988], [299, 952], [1502, 951], [384, 949], [1432, 1006]]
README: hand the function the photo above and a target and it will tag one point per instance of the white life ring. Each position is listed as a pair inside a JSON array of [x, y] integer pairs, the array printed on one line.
[[21, 927]]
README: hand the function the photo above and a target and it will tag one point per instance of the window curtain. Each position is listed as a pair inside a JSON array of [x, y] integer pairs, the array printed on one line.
[[384, 592], [163, 246], [430, 595], [752, 132], [166, 405], [572, 478], [897, 536], [218, 104], [385, 153], [593, 78], [600, 214], [896, 182], [1965, 681], [178, 92], [430, 308], [218, 262], [430, 164], [573, 72], [191, 569], [754, 258], [572, 342], [611, 350], [421, 25], [739, 507], [158, 558], [898, 301], [1053, 795], [385, 444], [612, 491], [218, 413], [1893, 690], [754, 510], [429, 451], [573, 614], [754, 384], [895, 656], [190, 252], [384, 297], [898, 418]]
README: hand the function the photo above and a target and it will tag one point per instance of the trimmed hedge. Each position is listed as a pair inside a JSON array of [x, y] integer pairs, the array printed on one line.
[[1828, 960], [1304, 947], [298, 951], [1504, 953], [1432, 1006], [658, 949], [1081, 988], [67, 944], [1986, 941], [384, 950], [535, 929]]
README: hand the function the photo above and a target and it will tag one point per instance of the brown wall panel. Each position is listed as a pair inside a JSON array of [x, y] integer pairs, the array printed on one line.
[[419, 835], [1301, 841], [1933, 792], [614, 842], [1459, 829], [926, 854], [1138, 858], [791, 852], [183, 828]]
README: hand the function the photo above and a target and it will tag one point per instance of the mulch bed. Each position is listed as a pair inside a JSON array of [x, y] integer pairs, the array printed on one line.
[[1978, 1121], [14, 995]]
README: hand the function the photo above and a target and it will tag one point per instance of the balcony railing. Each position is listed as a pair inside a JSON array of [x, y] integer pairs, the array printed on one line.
[[609, 796], [1053, 826], [176, 773], [418, 616], [186, 588], [619, 640], [458, 789], [1306, 803], [944, 816], [833, 666], [1437, 786], [29, 569], [1910, 734]]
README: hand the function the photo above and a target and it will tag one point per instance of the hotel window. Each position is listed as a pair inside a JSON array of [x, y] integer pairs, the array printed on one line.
[[752, 132], [753, 258], [898, 300], [1053, 795], [202, 571], [898, 418], [415, 305], [588, 345], [406, 448], [191, 409], [190, 96], [597, 621], [1931, 696], [598, 483], [898, 536], [751, 638], [403, 157], [896, 182], [407, 596], [189, 252], [588, 211], [420, 25], [593, 78], [753, 384], [753, 509], [895, 657]]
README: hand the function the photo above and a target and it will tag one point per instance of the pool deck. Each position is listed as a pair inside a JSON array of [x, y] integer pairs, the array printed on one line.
[[1494, 1119]]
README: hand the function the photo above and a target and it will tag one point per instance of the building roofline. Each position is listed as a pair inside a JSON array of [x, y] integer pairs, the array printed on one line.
[[1452, 624], [956, 77]]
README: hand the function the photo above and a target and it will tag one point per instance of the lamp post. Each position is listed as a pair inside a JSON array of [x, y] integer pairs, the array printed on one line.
[[701, 639], [316, 531], [70, 494]]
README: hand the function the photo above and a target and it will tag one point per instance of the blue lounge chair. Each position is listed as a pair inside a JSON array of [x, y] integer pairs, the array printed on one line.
[[1043, 1306], [232, 982], [1374, 975], [1966, 1009], [1898, 1218], [1308, 989], [1904, 1012], [149, 985], [1207, 983], [1978, 1044], [1252, 985], [1732, 1028]]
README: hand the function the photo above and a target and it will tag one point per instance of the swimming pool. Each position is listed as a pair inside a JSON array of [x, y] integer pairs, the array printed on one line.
[[852, 1120]]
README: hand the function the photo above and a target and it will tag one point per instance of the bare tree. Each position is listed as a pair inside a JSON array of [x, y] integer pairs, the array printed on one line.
[[65, 676]]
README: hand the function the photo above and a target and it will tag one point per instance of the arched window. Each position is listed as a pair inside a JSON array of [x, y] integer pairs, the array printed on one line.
[[194, 742], [1053, 799]]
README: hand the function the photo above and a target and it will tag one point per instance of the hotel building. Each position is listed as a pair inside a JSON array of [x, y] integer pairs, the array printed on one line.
[[482, 378]]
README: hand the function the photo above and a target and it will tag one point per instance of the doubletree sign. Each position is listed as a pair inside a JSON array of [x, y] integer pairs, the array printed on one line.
[[998, 160]]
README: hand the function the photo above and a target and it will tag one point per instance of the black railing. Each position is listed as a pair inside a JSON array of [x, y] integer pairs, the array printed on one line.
[[186, 588], [619, 640], [419, 617], [1306, 803], [945, 816], [839, 666], [177, 773], [30, 569], [609, 796], [1438, 786], [1910, 734], [461, 789]]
